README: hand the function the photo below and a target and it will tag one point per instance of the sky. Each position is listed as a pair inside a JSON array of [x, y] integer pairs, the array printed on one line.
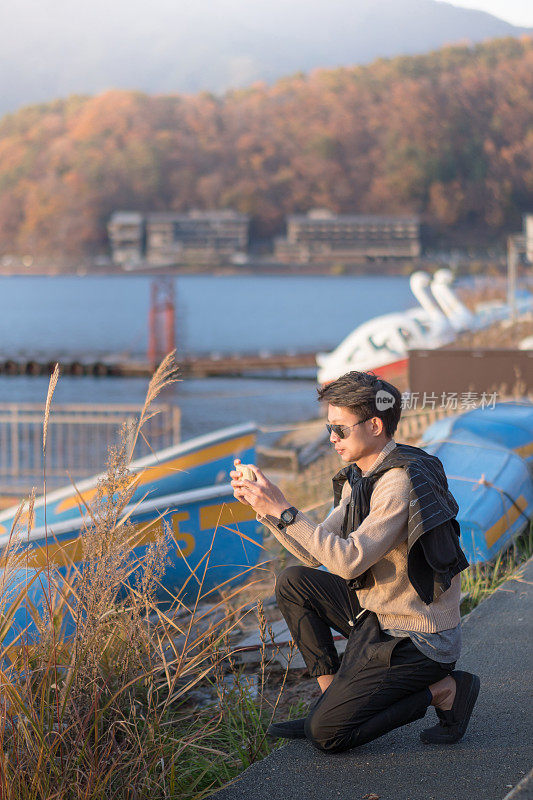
[[518, 12]]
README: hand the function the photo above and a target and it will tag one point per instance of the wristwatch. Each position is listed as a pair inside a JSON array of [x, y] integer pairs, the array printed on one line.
[[287, 517]]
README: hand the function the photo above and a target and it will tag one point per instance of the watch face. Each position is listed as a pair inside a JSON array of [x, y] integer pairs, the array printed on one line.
[[287, 516]]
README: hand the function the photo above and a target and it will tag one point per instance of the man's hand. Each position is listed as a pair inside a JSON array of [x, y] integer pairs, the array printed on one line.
[[263, 495]]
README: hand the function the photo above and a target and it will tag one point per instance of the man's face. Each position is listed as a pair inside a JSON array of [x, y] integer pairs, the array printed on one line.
[[360, 439]]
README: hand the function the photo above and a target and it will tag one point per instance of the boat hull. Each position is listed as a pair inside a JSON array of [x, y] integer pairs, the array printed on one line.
[[506, 424], [393, 371], [213, 542], [202, 461], [493, 489]]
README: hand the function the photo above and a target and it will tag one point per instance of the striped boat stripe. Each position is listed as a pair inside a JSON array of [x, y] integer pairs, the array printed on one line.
[[66, 551], [180, 464], [524, 450], [506, 520]]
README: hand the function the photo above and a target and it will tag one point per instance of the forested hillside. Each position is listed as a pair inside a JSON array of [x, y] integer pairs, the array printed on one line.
[[447, 135]]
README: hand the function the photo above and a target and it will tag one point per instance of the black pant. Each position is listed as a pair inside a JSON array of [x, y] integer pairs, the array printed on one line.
[[381, 682]]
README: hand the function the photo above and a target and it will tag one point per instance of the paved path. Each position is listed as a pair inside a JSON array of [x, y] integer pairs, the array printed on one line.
[[494, 756], [523, 790]]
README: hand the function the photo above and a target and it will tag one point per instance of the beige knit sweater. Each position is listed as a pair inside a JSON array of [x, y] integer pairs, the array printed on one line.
[[379, 543]]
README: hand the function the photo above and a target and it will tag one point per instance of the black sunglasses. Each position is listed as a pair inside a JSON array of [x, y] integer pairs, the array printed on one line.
[[340, 430]]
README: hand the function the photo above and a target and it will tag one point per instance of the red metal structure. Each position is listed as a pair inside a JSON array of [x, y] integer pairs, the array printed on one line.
[[161, 320]]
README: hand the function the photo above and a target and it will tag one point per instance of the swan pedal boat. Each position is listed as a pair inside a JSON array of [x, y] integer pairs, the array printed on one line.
[[382, 344]]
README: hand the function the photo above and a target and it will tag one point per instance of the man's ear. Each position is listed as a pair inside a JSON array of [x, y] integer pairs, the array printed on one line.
[[377, 426]]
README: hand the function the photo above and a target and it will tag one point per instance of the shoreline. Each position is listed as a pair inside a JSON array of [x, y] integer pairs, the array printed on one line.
[[465, 266]]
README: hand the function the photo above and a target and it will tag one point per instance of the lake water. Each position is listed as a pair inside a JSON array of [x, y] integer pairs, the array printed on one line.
[[227, 313], [54, 316]]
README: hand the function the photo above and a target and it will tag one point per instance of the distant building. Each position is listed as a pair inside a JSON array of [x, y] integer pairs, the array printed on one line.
[[126, 236], [528, 232], [321, 236], [169, 238], [198, 235]]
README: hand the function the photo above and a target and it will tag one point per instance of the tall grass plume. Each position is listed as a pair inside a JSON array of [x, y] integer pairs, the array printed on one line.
[[96, 689]]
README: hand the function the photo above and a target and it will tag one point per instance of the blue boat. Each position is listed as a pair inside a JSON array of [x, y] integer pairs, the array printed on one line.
[[506, 424], [202, 461], [214, 541], [493, 488]]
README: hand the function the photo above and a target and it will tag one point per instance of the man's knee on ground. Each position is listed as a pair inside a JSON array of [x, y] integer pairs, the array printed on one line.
[[288, 580], [323, 737]]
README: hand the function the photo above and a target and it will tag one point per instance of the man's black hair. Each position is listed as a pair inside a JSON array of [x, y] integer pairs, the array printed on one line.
[[357, 391]]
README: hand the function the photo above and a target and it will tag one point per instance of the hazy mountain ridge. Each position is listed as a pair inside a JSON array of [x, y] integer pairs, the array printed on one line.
[[164, 46]]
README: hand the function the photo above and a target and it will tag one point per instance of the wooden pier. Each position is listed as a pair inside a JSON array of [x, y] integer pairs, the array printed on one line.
[[199, 366]]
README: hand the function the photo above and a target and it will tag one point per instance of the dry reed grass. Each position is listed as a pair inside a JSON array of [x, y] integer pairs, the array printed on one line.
[[481, 580], [94, 700]]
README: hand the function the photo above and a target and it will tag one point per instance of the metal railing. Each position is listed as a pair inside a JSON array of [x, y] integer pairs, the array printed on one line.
[[79, 436]]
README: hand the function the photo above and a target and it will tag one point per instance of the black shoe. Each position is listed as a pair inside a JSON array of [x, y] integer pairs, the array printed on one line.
[[289, 729], [453, 723]]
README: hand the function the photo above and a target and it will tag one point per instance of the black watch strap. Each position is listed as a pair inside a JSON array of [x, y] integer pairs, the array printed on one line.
[[287, 517]]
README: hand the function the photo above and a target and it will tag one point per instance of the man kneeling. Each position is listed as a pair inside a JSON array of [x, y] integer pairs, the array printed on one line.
[[392, 586]]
